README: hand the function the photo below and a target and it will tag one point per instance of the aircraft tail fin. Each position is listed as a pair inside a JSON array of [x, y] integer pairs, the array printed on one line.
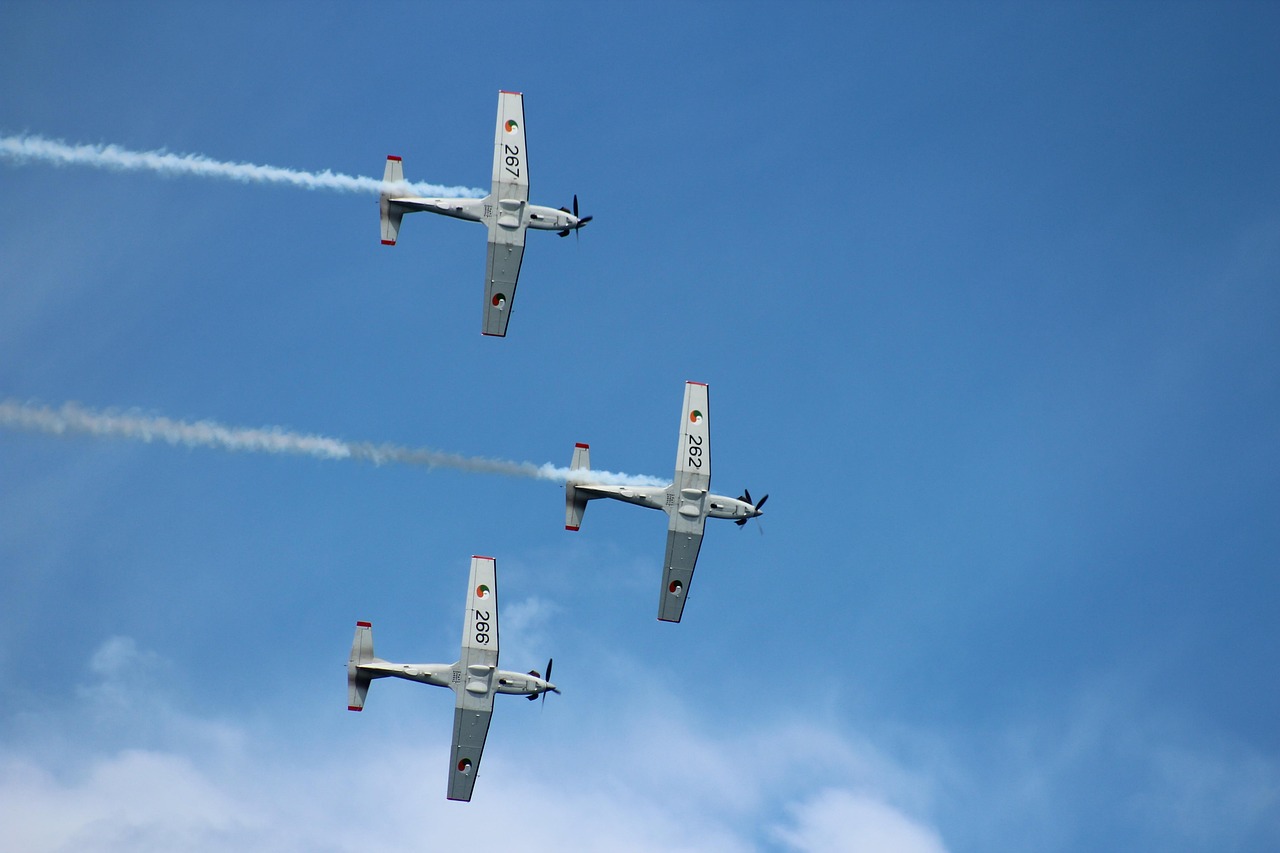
[[361, 652], [574, 504], [390, 211]]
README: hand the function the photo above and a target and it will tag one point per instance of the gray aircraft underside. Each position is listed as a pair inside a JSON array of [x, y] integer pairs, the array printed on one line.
[[475, 678], [506, 212], [688, 501]]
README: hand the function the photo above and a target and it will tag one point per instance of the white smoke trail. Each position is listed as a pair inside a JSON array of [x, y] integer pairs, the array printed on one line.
[[27, 147], [72, 418]]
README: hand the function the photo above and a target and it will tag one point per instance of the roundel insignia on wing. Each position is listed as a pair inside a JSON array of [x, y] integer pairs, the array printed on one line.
[[499, 299], [675, 588], [464, 766], [482, 591], [511, 125], [695, 416]]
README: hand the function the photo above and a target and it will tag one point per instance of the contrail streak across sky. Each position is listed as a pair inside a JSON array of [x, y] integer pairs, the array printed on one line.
[[73, 418], [25, 148]]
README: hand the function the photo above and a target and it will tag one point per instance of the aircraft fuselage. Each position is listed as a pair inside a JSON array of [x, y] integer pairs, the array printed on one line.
[[452, 675], [512, 214], [670, 499]]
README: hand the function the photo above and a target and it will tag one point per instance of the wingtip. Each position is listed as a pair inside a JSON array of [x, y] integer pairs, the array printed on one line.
[[354, 708], [388, 242], [570, 527]]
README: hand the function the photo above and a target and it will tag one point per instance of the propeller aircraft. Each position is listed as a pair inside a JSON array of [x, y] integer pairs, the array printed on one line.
[[506, 212], [688, 501], [475, 678]]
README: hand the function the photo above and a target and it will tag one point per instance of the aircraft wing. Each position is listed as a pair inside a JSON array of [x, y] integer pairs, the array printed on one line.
[[478, 666], [684, 538], [508, 218], [510, 160], [693, 458], [502, 269], [470, 728], [480, 628]]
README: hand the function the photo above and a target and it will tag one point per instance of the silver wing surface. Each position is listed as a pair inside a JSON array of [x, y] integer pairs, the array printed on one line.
[[684, 538], [478, 668], [689, 515], [693, 458], [508, 217], [510, 161], [502, 269], [470, 728]]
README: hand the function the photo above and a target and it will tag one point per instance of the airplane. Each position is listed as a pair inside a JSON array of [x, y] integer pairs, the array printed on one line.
[[475, 678], [687, 501], [505, 211]]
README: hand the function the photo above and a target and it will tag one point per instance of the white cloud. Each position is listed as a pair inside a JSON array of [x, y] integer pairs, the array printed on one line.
[[643, 780], [841, 820]]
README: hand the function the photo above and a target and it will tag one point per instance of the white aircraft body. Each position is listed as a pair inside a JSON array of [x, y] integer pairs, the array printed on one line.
[[506, 212], [688, 501], [475, 678]]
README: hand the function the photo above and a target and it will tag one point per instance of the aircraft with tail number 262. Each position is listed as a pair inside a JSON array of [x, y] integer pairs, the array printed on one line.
[[475, 678], [506, 212], [688, 501]]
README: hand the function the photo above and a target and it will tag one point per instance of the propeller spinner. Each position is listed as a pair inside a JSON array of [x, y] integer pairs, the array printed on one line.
[[746, 498], [551, 689], [583, 220]]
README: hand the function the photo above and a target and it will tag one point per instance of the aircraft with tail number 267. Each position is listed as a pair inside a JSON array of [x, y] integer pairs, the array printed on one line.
[[506, 212], [688, 501], [475, 678]]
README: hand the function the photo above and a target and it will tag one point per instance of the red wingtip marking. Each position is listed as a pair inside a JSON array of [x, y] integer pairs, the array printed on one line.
[[492, 335], [364, 624], [570, 527], [479, 557], [388, 242], [691, 382], [393, 157], [354, 708], [583, 446], [508, 92]]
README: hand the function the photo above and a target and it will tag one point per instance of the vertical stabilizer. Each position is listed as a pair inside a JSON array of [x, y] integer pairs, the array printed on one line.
[[390, 211], [574, 504], [361, 652]]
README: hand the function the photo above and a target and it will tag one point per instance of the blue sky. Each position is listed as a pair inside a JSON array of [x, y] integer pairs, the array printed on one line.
[[987, 299]]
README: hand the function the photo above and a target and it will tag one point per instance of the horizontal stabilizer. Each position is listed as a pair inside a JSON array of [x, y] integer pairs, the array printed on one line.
[[361, 652], [574, 504], [390, 211]]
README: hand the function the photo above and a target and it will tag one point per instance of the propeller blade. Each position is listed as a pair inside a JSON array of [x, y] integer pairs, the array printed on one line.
[[575, 205], [762, 500], [548, 669], [746, 496], [584, 220]]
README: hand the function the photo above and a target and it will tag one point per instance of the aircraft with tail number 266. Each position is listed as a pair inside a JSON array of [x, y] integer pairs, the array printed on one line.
[[475, 678], [506, 212], [688, 501]]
